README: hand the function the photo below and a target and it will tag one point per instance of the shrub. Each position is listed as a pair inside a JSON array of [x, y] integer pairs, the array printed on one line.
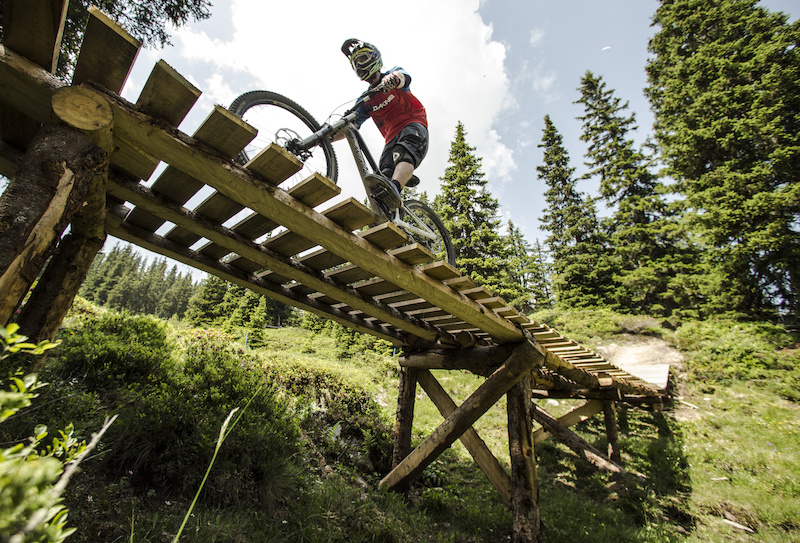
[[171, 402]]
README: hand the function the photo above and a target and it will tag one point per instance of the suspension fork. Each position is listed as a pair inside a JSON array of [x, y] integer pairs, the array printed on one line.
[[361, 164]]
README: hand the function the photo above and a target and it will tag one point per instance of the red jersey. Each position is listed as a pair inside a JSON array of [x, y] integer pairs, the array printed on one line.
[[392, 110]]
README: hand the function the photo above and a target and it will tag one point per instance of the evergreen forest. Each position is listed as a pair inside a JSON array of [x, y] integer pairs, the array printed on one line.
[[230, 417]]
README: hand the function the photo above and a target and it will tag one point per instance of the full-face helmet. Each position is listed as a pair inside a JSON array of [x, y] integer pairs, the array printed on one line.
[[364, 57]]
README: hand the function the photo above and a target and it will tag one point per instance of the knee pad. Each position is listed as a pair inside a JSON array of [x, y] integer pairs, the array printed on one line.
[[401, 154]]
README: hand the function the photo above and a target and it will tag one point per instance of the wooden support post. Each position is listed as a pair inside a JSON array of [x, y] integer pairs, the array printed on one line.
[[471, 440], [578, 445], [35, 208], [527, 523], [610, 415], [521, 362], [90, 114], [404, 424]]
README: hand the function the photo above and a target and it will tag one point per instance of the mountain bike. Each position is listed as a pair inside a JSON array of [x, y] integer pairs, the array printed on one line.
[[282, 121]]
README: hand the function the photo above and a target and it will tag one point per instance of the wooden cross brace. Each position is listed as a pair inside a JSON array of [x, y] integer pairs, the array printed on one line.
[[459, 420]]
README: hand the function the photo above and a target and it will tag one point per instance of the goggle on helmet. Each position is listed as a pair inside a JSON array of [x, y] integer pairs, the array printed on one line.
[[364, 57]]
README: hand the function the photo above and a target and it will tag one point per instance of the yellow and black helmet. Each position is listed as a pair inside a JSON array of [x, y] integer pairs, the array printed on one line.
[[364, 57]]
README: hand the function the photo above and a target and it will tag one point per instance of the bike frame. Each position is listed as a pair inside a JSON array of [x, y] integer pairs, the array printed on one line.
[[365, 164]]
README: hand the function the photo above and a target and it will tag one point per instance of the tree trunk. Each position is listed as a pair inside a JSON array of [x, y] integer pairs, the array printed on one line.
[[37, 205]]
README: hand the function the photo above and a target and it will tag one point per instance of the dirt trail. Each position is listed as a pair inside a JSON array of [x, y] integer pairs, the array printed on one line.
[[630, 350]]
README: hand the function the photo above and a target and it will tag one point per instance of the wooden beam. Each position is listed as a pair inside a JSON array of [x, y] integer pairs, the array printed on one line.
[[527, 518], [573, 417], [404, 421], [521, 361], [576, 443], [478, 360], [471, 440], [610, 417]]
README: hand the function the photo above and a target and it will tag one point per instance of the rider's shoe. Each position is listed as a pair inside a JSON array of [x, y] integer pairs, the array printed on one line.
[[384, 189]]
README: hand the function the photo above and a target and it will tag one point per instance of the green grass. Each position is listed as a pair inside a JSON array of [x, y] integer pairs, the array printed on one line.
[[729, 449]]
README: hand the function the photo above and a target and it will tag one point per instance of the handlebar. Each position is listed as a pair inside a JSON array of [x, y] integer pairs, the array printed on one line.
[[297, 146]]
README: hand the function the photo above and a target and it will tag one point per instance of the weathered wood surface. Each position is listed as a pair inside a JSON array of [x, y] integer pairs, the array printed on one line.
[[576, 443], [571, 418], [38, 204], [527, 519], [521, 362], [471, 440], [404, 419]]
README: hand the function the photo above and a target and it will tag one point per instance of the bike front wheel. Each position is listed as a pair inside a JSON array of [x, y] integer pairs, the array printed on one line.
[[279, 120], [426, 228]]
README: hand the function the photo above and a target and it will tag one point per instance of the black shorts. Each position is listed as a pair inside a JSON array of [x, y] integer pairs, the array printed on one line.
[[414, 139]]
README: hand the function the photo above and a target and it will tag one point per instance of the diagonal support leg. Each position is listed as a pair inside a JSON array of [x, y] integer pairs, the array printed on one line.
[[471, 440], [521, 362], [572, 440]]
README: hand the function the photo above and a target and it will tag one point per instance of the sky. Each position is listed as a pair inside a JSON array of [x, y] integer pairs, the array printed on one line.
[[497, 66]]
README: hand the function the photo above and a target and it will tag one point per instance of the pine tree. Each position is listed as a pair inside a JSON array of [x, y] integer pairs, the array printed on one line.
[[205, 305], [123, 281], [634, 195], [248, 303], [581, 268], [724, 85], [470, 214], [541, 278], [523, 270]]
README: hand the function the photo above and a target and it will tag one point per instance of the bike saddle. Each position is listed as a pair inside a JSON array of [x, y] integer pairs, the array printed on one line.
[[413, 182]]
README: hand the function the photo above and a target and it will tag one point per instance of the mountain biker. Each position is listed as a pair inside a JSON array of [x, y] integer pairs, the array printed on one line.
[[399, 116]]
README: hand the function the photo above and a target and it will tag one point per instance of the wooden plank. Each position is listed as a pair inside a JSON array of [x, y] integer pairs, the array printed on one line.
[[492, 389], [270, 165], [414, 254], [167, 94], [237, 184], [321, 259], [107, 54], [218, 131], [655, 374], [472, 441], [573, 417], [33, 29], [315, 190]]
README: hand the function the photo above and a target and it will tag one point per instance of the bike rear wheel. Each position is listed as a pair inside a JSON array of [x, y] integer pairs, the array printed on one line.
[[441, 245], [278, 120]]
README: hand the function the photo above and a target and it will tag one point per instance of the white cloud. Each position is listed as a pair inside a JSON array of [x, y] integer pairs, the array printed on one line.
[[293, 48], [537, 37]]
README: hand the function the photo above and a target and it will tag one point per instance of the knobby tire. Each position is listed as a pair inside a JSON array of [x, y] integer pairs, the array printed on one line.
[[254, 101]]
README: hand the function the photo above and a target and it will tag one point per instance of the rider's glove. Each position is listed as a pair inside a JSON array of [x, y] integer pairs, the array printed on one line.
[[389, 82]]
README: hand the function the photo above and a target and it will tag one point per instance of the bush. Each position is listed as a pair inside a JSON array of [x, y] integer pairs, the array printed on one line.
[[171, 403], [30, 501], [724, 349]]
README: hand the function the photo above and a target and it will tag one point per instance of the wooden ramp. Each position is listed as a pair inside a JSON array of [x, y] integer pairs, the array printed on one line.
[[336, 261]]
